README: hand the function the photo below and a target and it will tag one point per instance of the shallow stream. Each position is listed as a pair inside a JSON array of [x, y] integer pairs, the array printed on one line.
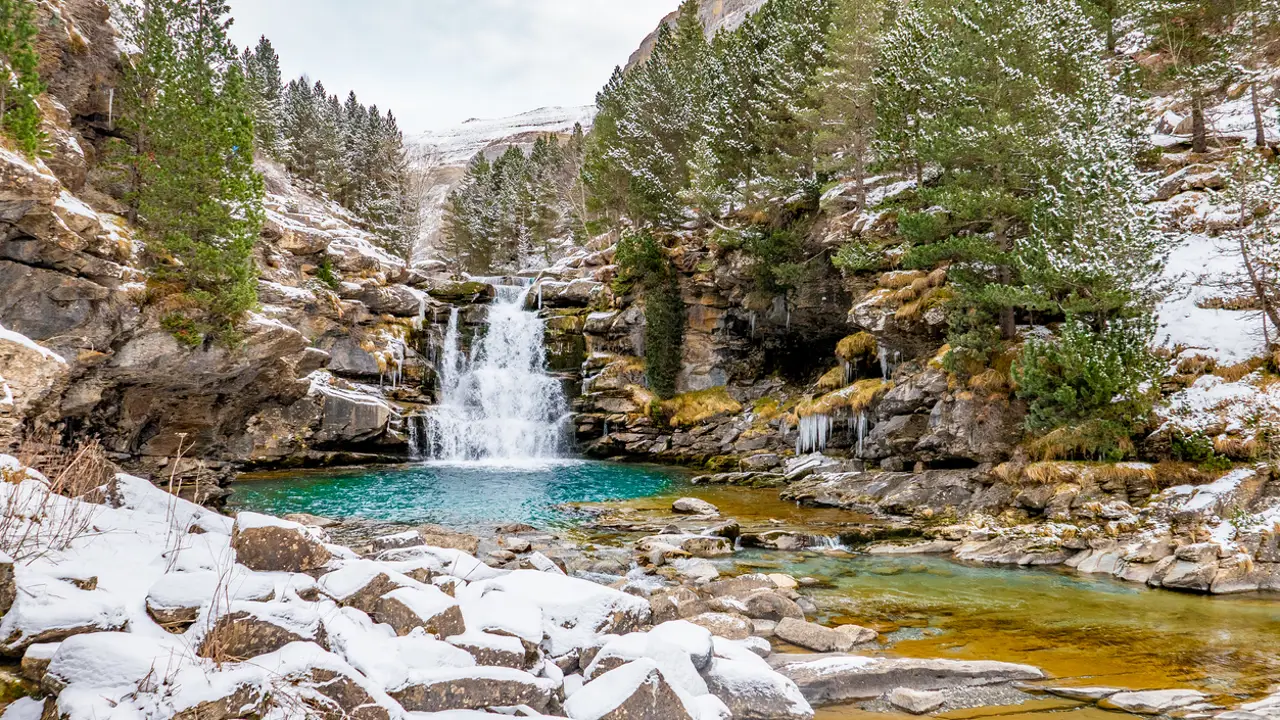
[[1081, 630]]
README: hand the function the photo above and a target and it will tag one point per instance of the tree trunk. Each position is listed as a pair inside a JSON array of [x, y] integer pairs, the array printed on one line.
[[1199, 135], [1260, 138], [1259, 287], [1008, 320], [860, 174]]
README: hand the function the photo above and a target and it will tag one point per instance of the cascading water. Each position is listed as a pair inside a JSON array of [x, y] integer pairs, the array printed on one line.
[[498, 405]]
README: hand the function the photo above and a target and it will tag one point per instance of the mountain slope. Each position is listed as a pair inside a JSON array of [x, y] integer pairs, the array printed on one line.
[[442, 156]]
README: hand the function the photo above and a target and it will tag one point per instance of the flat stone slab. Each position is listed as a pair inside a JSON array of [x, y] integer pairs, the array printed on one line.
[[1087, 694], [840, 679], [1153, 702], [916, 702]]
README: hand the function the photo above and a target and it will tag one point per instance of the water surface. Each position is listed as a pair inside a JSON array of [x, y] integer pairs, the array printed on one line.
[[1082, 630], [461, 495]]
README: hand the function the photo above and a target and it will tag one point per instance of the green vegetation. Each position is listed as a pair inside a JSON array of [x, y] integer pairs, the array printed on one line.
[[190, 163], [642, 262], [1083, 376], [351, 153], [19, 115], [505, 214]]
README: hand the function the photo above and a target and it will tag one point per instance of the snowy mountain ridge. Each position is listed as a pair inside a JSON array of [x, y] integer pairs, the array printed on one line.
[[457, 145]]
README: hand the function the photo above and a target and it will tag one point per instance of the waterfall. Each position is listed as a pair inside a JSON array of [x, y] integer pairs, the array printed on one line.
[[499, 404]]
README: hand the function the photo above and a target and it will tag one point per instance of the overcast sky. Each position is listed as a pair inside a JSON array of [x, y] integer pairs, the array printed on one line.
[[436, 63]]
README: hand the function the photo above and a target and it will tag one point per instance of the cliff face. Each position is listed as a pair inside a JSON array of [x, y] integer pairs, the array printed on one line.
[[716, 15], [326, 370]]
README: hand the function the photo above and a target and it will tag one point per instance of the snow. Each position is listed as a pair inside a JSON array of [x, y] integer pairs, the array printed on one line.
[[150, 547], [674, 660], [502, 612], [604, 694], [1245, 407], [24, 709], [426, 601], [574, 611], [26, 342], [1230, 336], [457, 145]]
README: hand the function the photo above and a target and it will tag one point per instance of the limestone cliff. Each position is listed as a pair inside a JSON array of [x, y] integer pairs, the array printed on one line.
[[326, 370]]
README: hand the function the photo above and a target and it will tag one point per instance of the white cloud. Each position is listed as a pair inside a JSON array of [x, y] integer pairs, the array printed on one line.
[[436, 63]]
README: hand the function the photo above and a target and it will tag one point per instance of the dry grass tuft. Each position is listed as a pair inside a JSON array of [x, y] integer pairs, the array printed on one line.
[[1169, 473], [832, 380], [991, 381], [1081, 442], [1237, 448], [1051, 473], [900, 278], [938, 277], [695, 407], [857, 346], [854, 399], [1122, 473], [1237, 372]]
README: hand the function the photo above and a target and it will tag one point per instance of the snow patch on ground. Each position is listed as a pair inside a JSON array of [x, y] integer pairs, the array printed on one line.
[[1230, 336]]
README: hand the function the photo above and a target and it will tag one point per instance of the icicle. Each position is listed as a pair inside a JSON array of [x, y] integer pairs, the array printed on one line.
[[606, 427], [884, 363], [753, 324], [847, 367], [539, 296], [111, 108], [862, 432], [815, 430]]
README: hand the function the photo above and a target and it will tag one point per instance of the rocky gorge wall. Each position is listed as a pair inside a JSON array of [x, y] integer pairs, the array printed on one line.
[[329, 366]]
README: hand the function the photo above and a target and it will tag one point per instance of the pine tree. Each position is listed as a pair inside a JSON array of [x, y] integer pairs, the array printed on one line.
[[845, 117], [198, 197], [19, 80], [266, 90], [1193, 35], [989, 85]]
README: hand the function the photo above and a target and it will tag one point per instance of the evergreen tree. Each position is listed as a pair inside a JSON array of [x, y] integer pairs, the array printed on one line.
[[266, 90], [19, 80], [845, 119], [197, 196], [983, 95], [1193, 35]]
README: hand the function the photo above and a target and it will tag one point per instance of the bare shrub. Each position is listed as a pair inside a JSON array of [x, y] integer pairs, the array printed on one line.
[[38, 517]]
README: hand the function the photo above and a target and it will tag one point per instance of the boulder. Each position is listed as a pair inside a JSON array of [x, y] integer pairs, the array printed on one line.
[[35, 661], [574, 611], [635, 691], [857, 633], [837, 679], [441, 537], [109, 659], [48, 610], [396, 300], [425, 607], [812, 636], [492, 650], [725, 625], [175, 600], [767, 605], [362, 584], [268, 544], [8, 586], [916, 702], [693, 506], [704, 546], [252, 629], [676, 603], [751, 689], [471, 689], [410, 538]]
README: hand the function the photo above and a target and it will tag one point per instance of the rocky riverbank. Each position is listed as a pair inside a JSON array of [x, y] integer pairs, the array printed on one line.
[[187, 613]]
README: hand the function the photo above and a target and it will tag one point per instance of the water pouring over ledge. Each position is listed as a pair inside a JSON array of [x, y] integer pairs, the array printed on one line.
[[498, 405]]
